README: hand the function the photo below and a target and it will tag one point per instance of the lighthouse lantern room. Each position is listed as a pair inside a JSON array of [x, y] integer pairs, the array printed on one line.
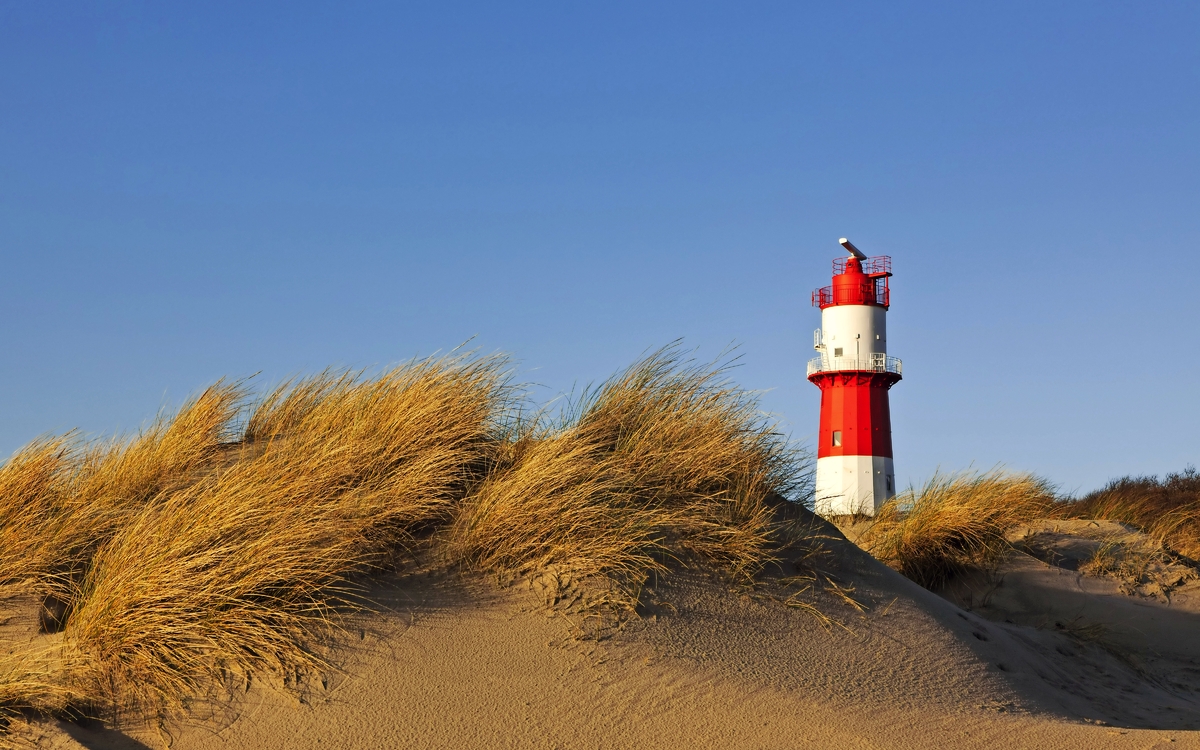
[[854, 372]]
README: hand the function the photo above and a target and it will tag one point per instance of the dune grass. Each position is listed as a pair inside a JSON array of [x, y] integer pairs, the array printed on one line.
[[33, 485], [666, 459], [1167, 510], [247, 569], [34, 683], [200, 554], [959, 522], [63, 497], [555, 500], [691, 441], [954, 523]]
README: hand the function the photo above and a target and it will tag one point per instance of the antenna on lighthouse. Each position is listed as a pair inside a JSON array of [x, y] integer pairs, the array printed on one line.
[[852, 249]]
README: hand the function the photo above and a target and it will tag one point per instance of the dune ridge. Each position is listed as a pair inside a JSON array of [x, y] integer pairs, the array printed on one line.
[[345, 558]]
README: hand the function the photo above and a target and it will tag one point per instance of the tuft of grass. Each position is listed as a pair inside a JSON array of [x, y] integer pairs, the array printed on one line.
[[33, 484], [557, 501], [248, 570], [954, 523], [289, 407], [1142, 566], [665, 459], [691, 441], [34, 684], [1166, 510], [60, 497]]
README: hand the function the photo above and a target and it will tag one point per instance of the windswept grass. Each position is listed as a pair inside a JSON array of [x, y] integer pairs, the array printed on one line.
[[196, 556], [34, 684], [691, 441], [1166, 510], [557, 501], [33, 486], [667, 458], [955, 523], [60, 498], [246, 570]]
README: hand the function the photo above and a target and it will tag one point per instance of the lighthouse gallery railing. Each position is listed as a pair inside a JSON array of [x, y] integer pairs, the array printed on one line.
[[853, 295], [876, 363]]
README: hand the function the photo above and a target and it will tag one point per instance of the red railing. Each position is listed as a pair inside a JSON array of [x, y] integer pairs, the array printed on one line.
[[877, 264], [825, 297]]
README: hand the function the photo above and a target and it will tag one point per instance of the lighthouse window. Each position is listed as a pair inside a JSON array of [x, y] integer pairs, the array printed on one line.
[[837, 352], [837, 438]]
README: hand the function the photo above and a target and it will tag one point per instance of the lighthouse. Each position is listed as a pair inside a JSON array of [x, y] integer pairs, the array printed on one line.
[[854, 372]]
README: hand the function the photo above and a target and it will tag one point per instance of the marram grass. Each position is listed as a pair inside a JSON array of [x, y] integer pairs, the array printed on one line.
[[1167, 510], [61, 497], [663, 460], [245, 570], [225, 541], [954, 523]]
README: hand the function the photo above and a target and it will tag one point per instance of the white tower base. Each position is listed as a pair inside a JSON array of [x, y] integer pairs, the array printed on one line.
[[853, 484]]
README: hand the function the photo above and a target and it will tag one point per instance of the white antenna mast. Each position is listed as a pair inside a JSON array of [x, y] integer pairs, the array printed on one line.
[[852, 249]]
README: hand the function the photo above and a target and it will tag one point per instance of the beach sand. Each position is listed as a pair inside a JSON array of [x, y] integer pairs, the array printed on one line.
[[1036, 655]]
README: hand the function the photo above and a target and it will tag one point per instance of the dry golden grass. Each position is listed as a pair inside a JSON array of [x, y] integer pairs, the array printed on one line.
[[63, 498], [557, 501], [33, 485], [1167, 510], [34, 683], [691, 441], [1141, 565], [245, 571], [187, 560], [955, 523], [666, 458]]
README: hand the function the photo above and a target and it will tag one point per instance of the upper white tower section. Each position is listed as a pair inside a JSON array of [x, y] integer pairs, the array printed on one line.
[[853, 333]]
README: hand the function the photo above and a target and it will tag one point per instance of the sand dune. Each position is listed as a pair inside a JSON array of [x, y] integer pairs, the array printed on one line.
[[1037, 656]]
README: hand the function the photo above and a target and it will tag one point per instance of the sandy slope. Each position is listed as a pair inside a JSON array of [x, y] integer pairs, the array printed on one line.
[[713, 664]]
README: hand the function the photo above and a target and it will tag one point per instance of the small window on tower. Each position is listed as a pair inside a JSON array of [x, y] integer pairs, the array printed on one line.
[[837, 438], [837, 352]]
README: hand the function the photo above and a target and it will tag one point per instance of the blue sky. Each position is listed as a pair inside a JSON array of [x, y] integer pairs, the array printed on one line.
[[189, 192]]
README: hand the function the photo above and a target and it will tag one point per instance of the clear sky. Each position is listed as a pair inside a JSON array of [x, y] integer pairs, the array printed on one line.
[[195, 190]]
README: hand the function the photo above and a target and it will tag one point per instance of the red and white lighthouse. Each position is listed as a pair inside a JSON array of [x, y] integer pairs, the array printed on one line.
[[854, 372]]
